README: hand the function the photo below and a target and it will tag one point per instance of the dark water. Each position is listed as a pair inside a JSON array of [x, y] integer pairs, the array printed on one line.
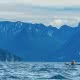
[[38, 71]]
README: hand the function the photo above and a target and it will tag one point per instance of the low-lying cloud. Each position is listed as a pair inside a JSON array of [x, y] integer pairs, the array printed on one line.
[[48, 12]]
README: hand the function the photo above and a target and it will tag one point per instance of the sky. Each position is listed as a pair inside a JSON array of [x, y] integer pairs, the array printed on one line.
[[48, 12]]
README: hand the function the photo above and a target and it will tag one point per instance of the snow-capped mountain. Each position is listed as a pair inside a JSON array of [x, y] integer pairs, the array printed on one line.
[[37, 42]]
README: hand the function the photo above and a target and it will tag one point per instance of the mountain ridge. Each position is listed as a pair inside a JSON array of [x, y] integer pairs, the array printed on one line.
[[37, 42]]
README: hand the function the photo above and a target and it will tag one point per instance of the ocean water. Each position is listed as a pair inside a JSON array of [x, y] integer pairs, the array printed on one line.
[[38, 71]]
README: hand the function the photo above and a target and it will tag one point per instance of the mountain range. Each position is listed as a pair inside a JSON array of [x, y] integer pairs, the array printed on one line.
[[37, 42]]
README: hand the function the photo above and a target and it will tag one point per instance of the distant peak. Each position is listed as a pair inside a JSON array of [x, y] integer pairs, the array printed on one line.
[[65, 27], [79, 24]]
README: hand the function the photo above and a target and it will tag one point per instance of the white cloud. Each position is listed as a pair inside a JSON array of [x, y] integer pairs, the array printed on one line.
[[54, 12], [50, 2], [65, 21], [57, 22], [7, 1]]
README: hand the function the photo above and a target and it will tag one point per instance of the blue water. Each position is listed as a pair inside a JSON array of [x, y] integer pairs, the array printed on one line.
[[38, 71]]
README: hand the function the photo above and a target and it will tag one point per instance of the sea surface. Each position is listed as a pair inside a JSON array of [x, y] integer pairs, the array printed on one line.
[[38, 71]]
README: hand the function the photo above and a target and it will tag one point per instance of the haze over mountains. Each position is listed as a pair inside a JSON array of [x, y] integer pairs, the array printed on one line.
[[37, 42]]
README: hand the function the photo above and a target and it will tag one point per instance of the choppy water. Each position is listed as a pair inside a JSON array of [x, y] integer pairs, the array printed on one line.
[[38, 71]]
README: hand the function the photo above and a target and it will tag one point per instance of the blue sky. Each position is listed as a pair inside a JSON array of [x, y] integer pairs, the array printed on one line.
[[49, 12]]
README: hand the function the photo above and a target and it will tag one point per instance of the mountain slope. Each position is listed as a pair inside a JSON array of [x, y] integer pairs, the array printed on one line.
[[37, 42], [7, 56], [71, 49]]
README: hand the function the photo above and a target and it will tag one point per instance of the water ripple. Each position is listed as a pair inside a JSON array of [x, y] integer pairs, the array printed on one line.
[[38, 71]]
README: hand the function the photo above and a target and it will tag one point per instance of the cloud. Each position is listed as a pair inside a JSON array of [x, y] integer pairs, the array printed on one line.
[[50, 2], [64, 21], [57, 22], [7, 1], [48, 12]]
